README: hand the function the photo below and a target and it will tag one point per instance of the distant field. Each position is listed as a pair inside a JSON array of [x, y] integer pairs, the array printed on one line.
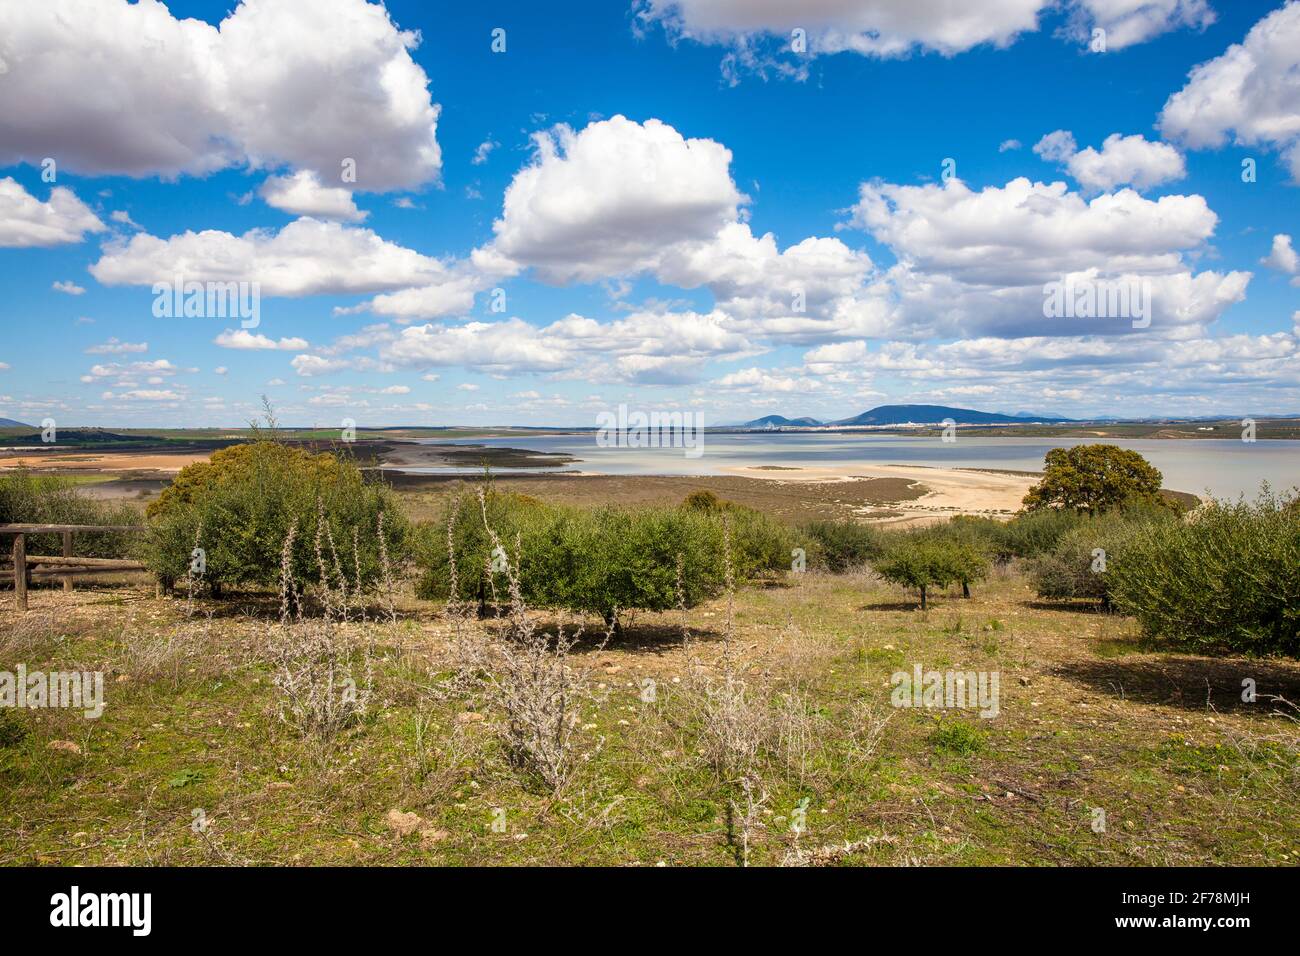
[[794, 502]]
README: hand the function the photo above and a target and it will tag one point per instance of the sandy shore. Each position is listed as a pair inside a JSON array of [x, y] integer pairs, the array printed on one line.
[[169, 463], [948, 491]]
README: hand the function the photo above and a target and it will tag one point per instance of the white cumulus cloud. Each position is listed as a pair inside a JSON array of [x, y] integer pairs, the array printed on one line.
[[302, 194], [306, 257], [608, 199], [1122, 161], [1249, 94], [25, 221], [307, 85], [244, 340]]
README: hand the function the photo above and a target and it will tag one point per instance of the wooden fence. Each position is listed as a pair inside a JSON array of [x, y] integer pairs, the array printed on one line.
[[28, 567]]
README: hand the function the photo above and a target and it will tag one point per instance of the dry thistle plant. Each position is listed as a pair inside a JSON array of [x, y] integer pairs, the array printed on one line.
[[867, 722], [747, 817], [334, 598], [189, 573], [833, 853], [324, 678], [386, 568], [799, 729], [733, 712], [24, 633], [528, 678]]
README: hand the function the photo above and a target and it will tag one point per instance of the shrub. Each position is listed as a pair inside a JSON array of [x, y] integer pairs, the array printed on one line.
[[27, 498], [1083, 560], [1032, 533], [1093, 478], [704, 500], [1070, 570], [611, 560], [1228, 576], [840, 546], [600, 560], [971, 541], [970, 565], [921, 564], [239, 507], [986, 535], [523, 525], [759, 544]]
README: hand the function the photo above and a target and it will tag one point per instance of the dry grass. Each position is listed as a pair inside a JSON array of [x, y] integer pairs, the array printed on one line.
[[769, 738]]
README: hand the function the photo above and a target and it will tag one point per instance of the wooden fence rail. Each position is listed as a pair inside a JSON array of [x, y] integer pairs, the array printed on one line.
[[64, 566]]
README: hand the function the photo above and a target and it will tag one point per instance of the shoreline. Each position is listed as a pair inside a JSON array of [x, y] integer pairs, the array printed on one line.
[[944, 491], [889, 494]]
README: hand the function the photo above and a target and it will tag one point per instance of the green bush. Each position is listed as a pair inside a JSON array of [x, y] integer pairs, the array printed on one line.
[[1227, 576], [522, 524], [921, 563], [1082, 563], [760, 545], [27, 498], [239, 507], [704, 500], [1032, 533], [839, 546], [629, 560], [595, 560]]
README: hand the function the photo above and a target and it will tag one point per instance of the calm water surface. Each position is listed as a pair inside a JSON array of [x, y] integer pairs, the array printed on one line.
[[1222, 467]]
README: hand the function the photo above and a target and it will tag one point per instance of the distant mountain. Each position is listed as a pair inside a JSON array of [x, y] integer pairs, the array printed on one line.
[[778, 421], [10, 423], [933, 414]]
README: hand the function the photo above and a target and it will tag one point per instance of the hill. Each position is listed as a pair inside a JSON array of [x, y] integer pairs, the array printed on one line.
[[934, 414], [780, 421]]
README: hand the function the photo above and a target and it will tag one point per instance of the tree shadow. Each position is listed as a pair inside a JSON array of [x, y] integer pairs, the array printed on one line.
[[635, 638], [1066, 606], [1186, 682], [894, 606]]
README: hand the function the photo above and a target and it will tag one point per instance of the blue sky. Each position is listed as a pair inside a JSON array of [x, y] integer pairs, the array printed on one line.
[[631, 162]]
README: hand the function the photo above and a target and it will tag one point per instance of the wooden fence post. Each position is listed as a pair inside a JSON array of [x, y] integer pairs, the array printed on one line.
[[67, 553], [20, 572]]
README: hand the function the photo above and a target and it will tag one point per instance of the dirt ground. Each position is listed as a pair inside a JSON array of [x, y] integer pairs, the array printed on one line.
[[1090, 718]]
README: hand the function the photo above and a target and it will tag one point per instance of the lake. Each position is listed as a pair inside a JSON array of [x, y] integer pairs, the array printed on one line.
[[1221, 467]]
